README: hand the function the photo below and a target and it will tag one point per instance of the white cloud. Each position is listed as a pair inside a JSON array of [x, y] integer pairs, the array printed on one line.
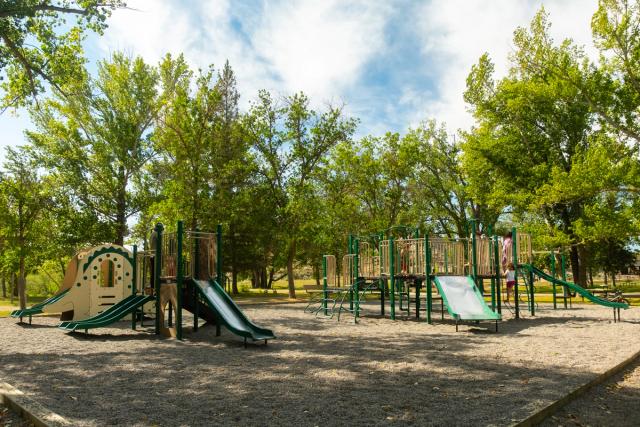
[[457, 32], [316, 47]]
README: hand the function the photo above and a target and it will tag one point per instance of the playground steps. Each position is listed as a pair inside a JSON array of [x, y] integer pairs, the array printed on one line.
[[114, 313]]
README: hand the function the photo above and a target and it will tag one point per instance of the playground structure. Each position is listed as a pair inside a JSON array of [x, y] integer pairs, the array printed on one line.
[[182, 270], [95, 280], [396, 261]]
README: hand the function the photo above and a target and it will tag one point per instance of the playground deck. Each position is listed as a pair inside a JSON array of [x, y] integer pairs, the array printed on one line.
[[319, 371]]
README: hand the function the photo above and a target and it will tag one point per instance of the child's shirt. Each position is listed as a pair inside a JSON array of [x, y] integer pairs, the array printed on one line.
[[511, 275]]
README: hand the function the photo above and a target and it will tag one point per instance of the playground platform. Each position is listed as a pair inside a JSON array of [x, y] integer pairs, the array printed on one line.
[[398, 372]]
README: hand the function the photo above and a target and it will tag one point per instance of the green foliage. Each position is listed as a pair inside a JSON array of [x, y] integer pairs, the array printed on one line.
[[37, 47], [97, 143]]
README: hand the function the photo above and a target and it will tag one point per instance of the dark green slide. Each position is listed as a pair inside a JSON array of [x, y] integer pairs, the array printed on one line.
[[463, 299], [577, 288], [229, 313], [113, 314], [37, 309]]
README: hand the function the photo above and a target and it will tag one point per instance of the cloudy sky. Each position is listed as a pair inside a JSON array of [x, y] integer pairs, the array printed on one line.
[[391, 63]]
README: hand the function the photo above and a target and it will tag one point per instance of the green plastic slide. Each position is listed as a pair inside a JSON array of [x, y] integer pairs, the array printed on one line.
[[577, 288], [463, 299], [109, 316], [228, 312], [37, 309]]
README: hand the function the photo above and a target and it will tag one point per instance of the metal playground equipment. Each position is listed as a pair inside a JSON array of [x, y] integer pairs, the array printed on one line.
[[399, 264]]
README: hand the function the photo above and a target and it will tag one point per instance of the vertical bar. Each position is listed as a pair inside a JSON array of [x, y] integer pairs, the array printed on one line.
[[219, 255], [134, 276], [496, 260], [474, 253], [563, 270], [325, 293], [418, 283], [356, 274], [532, 297], [350, 258], [392, 280], [179, 281], [514, 251], [553, 274], [158, 272], [195, 275], [427, 271]]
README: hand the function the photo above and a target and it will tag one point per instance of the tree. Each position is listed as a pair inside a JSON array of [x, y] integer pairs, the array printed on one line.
[[97, 143], [36, 51], [291, 142], [24, 204], [539, 140]]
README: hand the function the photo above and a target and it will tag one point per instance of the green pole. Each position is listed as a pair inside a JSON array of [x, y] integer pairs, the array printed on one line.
[[195, 275], [532, 297], [157, 273], [350, 249], [474, 253], [553, 274], [392, 280], [134, 277], [325, 293], [179, 280], [496, 260], [563, 267], [514, 250], [427, 271], [219, 255], [356, 270]]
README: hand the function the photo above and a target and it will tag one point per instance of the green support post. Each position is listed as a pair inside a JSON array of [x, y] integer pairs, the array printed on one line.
[[219, 266], [553, 274], [563, 271], [356, 270], [496, 267], [474, 254], [532, 300], [195, 262], [392, 280], [219, 255], [157, 273], [427, 271], [179, 280], [350, 249], [514, 251], [325, 292], [134, 276]]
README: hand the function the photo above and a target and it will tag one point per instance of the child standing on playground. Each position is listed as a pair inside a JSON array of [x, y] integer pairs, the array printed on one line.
[[510, 275], [507, 242]]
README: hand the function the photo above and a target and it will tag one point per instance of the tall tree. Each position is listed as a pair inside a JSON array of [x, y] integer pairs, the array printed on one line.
[[291, 142], [97, 143], [37, 47], [24, 204]]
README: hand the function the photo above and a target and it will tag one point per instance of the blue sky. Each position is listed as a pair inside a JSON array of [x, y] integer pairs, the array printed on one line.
[[392, 64]]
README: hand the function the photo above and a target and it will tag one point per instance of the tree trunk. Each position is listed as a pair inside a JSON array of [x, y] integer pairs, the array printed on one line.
[[583, 264], [4, 287], [22, 285], [316, 273], [290, 279], [234, 280], [575, 265], [121, 208], [606, 279], [613, 279]]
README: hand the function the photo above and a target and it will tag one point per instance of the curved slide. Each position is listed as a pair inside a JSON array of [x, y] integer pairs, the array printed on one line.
[[111, 315], [577, 288], [37, 309], [229, 313], [463, 299]]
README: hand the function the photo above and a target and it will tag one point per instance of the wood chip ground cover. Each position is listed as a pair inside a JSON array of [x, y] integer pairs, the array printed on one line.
[[318, 371]]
